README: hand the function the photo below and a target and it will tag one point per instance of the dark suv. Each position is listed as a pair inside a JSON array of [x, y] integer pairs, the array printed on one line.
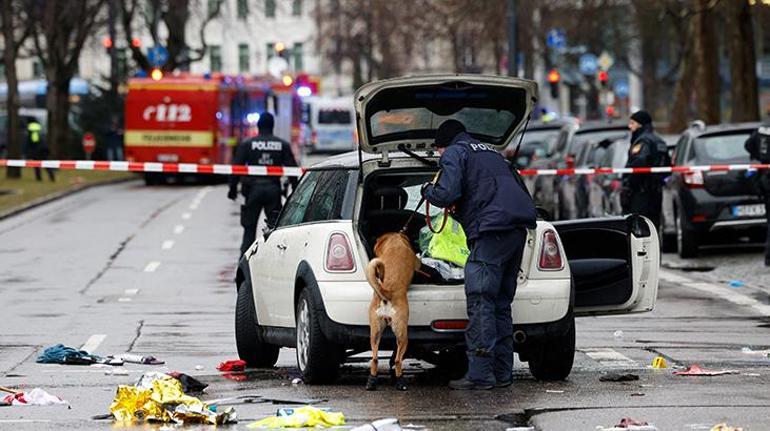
[[713, 205]]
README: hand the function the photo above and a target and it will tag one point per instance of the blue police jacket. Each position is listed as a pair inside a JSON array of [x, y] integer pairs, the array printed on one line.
[[477, 180]]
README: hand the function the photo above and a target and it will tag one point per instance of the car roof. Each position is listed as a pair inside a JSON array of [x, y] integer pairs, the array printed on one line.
[[349, 160], [722, 128], [550, 125], [601, 125]]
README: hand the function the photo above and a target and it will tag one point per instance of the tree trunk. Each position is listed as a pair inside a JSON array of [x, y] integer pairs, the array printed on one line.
[[706, 48], [743, 60], [680, 110], [12, 98], [58, 104]]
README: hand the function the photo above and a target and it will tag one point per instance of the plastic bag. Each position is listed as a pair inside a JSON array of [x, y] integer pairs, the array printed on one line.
[[303, 417], [448, 245]]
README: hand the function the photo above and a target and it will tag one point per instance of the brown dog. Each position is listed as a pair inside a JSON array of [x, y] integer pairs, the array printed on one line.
[[390, 274]]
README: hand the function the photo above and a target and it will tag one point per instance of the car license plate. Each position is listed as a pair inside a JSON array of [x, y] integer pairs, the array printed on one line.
[[757, 210], [168, 158]]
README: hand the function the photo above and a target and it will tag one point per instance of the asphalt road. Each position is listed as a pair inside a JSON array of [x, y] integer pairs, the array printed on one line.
[[126, 268]]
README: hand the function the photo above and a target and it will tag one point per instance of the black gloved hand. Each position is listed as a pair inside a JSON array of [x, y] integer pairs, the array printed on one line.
[[424, 187], [232, 194]]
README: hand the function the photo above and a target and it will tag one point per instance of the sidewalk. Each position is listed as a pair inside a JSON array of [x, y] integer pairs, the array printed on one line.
[[744, 264]]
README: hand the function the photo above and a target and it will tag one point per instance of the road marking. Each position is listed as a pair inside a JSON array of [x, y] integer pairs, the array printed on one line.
[[93, 342], [186, 216], [124, 299], [730, 295], [178, 229], [152, 266], [193, 206], [610, 358], [167, 244], [131, 292]]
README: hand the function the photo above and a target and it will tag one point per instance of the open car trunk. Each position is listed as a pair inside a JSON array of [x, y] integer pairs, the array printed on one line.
[[389, 200], [614, 263]]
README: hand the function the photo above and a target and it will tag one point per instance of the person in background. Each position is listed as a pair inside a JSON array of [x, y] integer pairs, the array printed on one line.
[[758, 146], [36, 148]]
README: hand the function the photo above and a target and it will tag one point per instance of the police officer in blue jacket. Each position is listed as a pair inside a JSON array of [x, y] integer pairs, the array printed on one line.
[[494, 211]]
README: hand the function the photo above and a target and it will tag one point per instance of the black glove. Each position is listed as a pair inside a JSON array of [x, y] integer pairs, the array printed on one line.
[[424, 187], [232, 194]]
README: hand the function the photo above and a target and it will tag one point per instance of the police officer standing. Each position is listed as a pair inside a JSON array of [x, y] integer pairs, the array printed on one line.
[[643, 193], [758, 146], [36, 147], [261, 192], [494, 211]]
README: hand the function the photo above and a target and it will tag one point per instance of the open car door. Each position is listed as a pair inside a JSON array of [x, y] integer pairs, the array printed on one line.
[[614, 263]]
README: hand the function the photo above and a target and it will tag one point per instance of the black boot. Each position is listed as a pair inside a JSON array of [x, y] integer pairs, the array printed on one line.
[[400, 383]]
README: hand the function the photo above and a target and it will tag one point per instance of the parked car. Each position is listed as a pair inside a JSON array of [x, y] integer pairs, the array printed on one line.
[[558, 193], [302, 283], [712, 205], [330, 125], [538, 141]]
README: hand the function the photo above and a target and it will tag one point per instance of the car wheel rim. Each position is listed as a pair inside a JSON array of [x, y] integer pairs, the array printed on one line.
[[303, 334]]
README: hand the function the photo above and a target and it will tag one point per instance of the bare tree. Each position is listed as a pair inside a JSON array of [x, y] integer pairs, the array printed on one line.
[[61, 29], [743, 59], [707, 92], [16, 29], [174, 15]]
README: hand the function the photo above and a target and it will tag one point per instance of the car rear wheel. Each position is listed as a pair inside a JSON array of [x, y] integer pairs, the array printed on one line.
[[248, 339], [686, 244], [318, 358], [553, 358]]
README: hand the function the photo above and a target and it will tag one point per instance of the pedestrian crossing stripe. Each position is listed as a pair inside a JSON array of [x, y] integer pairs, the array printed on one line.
[[610, 358]]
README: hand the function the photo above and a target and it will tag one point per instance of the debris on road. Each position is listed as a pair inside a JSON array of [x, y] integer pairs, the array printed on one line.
[[296, 381], [233, 365], [724, 427], [618, 377], [139, 359], [553, 391], [116, 372], [750, 351], [303, 417], [164, 401], [189, 383], [618, 334], [61, 354], [736, 283], [659, 362], [34, 397], [628, 424], [696, 370], [637, 394]]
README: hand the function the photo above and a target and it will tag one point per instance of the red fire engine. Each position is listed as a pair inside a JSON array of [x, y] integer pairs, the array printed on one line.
[[197, 119]]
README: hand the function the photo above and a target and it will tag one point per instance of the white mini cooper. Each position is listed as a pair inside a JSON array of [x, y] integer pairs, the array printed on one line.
[[302, 283]]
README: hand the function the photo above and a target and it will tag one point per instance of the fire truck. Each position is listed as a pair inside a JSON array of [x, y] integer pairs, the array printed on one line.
[[200, 119]]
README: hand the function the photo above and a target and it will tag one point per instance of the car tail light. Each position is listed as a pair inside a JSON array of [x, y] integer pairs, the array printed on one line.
[[339, 256], [550, 255], [449, 325], [314, 137], [698, 218], [693, 180]]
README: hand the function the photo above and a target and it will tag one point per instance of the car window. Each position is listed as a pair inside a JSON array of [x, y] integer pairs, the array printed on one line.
[[679, 152], [562, 141], [334, 116], [721, 148], [296, 206], [326, 202]]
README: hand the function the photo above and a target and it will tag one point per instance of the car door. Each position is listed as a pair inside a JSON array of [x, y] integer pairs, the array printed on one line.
[[271, 266], [614, 263]]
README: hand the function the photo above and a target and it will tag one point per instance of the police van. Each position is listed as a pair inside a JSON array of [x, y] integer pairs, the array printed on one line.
[[302, 283]]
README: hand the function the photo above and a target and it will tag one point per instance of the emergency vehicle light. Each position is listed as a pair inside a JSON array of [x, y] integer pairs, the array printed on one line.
[[304, 91]]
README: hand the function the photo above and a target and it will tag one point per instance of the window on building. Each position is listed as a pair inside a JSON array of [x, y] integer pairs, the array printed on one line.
[[270, 8], [296, 54], [215, 57], [270, 51], [243, 9], [243, 57], [214, 7], [296, 8], [37, 69]]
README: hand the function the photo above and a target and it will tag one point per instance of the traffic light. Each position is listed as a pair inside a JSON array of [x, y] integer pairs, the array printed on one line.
[[136, 42], [107, 42], [604, 78], [554, 77]]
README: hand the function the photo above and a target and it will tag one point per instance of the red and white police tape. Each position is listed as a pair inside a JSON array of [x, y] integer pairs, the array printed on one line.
[[279, 171]]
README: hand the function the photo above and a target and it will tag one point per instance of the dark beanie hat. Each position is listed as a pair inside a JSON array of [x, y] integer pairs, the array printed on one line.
[[266, 121], [642, 117], [447, 131]]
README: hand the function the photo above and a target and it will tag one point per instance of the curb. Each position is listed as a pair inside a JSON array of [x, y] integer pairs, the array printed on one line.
[[58, 195]]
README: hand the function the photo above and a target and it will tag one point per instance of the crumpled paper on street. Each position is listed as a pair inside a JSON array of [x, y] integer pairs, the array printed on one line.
[[696, 370], [162, 399], [34, 397], [303, 417]]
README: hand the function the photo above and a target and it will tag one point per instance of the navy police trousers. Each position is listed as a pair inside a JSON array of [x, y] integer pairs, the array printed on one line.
[[490, 284]]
